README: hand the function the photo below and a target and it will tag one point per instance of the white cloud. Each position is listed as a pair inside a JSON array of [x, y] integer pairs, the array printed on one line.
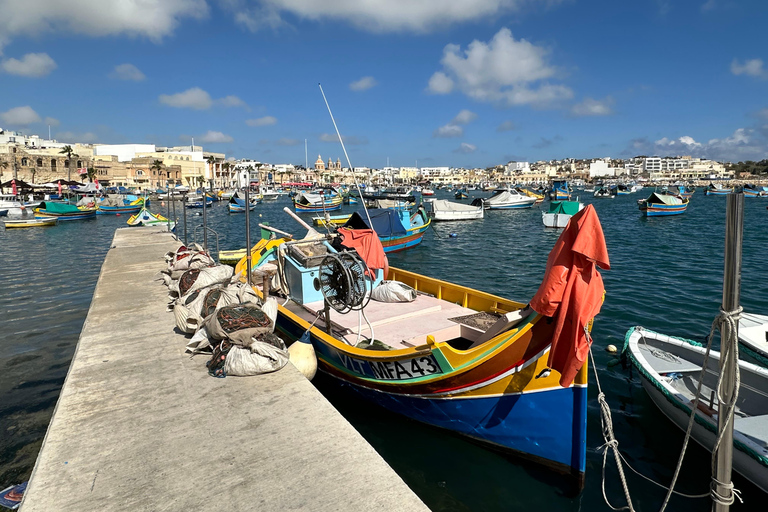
[[762, 113], [504, 71], [363, 84], [195, 98], [448, 131], [592, 107], [31, 65], [288, 142], [127, 72], [198, 99], [743, 144], [753, 67], [708, 5], [505, 126], [464, 117], [440, 83], [465, 148], [262, 121], [153, 19], [372, 15], [232, 101], [212, 137], [82, 138], [20, 116], [51, 121]]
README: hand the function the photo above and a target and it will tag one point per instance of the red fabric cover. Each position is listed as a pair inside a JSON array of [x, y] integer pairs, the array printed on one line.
[[367, 244], [572, 291]]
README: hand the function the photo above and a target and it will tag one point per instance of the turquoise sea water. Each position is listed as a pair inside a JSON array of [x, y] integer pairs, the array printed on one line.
[[666, 275]]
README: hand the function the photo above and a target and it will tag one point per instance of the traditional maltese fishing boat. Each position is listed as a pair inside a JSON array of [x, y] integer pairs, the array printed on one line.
[[114, 205], [146, 218], [505, 373], [64, 212]]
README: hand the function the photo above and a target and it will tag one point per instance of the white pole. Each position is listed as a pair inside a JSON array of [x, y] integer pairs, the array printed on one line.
[[352, 169]]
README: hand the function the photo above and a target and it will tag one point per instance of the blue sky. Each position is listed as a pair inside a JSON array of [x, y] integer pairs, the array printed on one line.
[[449, 82]]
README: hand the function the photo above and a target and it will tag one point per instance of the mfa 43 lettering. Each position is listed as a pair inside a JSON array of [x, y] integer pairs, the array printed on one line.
[[403, 369]]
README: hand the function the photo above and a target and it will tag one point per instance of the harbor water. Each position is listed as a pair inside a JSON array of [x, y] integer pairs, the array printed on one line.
[[666, 275]]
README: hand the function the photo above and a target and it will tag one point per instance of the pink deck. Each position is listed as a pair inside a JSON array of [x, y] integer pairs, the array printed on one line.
[[394, 323]]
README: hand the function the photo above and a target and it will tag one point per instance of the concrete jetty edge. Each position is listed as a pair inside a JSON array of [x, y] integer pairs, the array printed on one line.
[[140, 425]]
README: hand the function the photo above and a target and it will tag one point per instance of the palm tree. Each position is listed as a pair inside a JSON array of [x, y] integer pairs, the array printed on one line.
[[91, 174], [226, 166], [211, 162], [200, 180], [67, 150], [3, 166], [157, 165]]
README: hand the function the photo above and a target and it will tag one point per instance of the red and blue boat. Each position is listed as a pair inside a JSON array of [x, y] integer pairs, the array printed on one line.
[[453, 357]]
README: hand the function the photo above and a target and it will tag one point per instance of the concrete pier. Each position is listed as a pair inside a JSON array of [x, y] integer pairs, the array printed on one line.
[[142, 426]]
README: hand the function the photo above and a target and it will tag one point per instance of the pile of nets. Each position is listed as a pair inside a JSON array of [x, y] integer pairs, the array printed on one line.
[[225, 317]]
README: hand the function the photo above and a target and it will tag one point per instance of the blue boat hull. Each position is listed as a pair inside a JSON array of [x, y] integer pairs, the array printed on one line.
[[548, 427], [542, 426]]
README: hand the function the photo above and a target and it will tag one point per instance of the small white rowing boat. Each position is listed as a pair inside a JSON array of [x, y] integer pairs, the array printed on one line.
[[670, 367]]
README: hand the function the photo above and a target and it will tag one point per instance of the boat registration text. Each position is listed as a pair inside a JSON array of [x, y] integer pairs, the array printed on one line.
[[403, 369]]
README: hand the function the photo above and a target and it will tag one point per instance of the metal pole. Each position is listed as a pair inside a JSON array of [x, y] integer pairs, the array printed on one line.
[[184, 209], [248, 233], [168, 206], [205, 221], [734, 227], [174, 217]]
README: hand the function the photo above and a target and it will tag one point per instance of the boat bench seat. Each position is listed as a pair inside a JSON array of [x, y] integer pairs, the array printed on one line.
[[755, 428], [670, 364]]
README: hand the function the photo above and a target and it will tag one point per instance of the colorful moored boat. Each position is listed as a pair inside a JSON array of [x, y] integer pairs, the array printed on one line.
[[64, 212], [716, 189], [146, 218], [453, 357], [659, 204], [325, 201], [397, 229], [113, 206], [30, 223], [561, 191]]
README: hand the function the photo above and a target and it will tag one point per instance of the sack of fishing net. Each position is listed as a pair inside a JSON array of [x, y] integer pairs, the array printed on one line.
[[239, 323]]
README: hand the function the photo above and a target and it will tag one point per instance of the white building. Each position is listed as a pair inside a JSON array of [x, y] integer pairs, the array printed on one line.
[[29, 141], [601, 168]]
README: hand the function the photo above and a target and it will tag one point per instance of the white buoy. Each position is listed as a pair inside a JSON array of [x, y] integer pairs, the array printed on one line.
[[302, 355], [611, 349]]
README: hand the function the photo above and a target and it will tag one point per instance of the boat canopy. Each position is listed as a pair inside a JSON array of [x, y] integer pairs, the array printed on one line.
[[566, 207], [386, 222], [664, 198], [59, 207], [504, 197], [444, 205]]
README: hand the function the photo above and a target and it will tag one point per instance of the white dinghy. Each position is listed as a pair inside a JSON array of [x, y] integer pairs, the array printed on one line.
[[670, 369], [443, 210]]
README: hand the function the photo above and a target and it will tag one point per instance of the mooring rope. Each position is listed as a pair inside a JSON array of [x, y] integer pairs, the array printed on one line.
[[608, 436], [728, 325]]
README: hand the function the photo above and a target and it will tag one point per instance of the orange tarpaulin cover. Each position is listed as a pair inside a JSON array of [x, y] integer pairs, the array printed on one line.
[[367, 244], [572, 291]]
